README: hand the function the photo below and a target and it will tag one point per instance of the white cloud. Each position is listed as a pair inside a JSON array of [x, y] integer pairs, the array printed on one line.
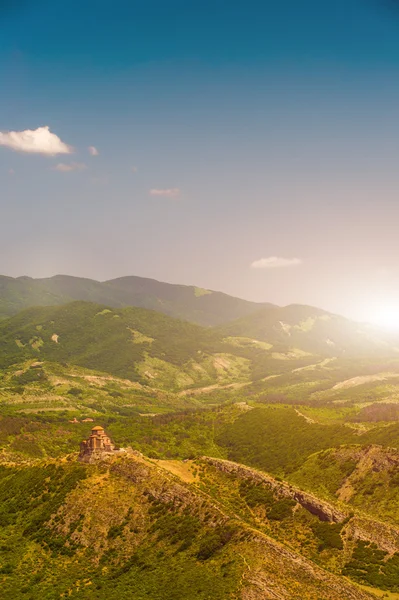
[[37, 141], [93, 151], [65, 168], [275, 262], [168, 193]]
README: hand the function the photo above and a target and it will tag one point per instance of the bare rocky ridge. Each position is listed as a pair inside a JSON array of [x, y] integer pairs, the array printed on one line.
[[271, 584], [358, 526], [372, 459], [270, 570], [323, 510]]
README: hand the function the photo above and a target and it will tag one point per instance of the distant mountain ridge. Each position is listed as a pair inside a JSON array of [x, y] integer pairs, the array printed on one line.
[[190, 303], [312, 330]]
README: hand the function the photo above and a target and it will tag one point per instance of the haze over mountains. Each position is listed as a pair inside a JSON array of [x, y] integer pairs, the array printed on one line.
[[191, 303], [304, 327]]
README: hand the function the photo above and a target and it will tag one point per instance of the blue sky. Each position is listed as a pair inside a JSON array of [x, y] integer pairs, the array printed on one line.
[[267, 129]]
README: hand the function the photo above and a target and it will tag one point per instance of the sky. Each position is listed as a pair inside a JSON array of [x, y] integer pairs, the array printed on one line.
[[248, 146]]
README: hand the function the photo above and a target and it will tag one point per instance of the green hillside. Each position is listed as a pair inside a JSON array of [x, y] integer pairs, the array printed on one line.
[[129, 343], [323, 430], [141, 345], [278, 439], [126, 528], [161, 352], [190, 303]]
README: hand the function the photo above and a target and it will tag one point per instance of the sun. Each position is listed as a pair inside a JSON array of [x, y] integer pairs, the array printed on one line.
[[387, 317]]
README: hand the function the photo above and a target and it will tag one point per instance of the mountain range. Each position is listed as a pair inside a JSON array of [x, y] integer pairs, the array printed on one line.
[[307, 328], [190, 303], [260, 446]]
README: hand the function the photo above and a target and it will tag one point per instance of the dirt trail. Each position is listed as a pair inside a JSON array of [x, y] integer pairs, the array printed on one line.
[[322, 363], [182, 469], [307, 419], [362, 379], [210, 388]]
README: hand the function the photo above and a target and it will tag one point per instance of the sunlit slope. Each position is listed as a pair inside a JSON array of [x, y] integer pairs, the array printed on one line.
[[35, 387], [138, 344], [343, 380], [127, 529], [313, 330], [132, 343], [163, 353], [184, 302]]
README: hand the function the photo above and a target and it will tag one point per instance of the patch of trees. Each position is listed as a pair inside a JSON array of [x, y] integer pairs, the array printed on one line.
[[370, 566], [278, 440]]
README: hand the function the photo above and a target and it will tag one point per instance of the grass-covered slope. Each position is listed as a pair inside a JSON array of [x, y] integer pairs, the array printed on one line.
[[190, 303], [139, 344], [127, 529], [118, 532], [133, 343], [277, 439], [161, 352]]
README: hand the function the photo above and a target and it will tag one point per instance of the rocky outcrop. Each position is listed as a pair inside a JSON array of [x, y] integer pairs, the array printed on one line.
[[323, 510], [373, 459], [358, 527], [279, 574], [382, 535]]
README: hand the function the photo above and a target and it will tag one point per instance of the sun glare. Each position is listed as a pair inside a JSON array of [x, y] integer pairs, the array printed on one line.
[[387, 317]]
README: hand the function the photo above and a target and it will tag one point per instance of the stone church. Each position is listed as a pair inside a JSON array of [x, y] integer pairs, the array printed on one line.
[[97, 444]]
